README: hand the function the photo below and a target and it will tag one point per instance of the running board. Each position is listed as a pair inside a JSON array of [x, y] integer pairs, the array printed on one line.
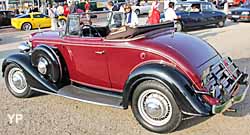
[[88, 95]]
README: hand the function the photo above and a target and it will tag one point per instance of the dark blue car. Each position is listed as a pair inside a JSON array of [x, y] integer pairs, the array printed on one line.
[[241, 13], [197, 14]]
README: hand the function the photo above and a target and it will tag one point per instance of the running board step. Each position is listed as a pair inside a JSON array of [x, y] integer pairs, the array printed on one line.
[[89, 95]]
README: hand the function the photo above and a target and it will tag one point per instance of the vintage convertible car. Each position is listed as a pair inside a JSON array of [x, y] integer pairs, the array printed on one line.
[[163, 75], [197, 14]]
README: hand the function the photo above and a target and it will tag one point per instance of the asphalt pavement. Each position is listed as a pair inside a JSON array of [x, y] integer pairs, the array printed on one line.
[[47, 114]]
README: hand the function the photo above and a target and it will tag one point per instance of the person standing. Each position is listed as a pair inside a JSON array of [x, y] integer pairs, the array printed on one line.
[[53, 15], [65, 10], [170, 14], [72, 8], [154, 14], [131, 16], [87, 6], [60, 9]]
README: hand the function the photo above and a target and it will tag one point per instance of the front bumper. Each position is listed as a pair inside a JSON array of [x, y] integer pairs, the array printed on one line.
[[239, 17], [234, 100]]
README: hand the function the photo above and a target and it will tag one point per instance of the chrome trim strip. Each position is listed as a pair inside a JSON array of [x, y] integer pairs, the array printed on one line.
[[192, 114], [81, 100]]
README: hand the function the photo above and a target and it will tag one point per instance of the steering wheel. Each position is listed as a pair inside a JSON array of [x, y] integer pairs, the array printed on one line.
[[90, 33]]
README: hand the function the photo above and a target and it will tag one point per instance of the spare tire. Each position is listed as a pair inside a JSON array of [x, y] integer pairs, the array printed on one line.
[[53, 68]]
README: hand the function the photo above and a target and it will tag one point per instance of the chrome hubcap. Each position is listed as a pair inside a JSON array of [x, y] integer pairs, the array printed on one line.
[[42, 65], [27, 27], [17, 80], [155, 107]]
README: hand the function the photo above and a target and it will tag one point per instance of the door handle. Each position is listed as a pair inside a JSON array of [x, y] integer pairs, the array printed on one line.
[[100, 52]]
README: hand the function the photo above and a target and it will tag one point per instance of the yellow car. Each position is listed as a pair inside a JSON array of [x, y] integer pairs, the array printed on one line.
[[33, 21]]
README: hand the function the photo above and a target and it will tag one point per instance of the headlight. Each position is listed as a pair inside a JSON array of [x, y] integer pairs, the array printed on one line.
[[25, 47], [245, 13], [204, 76], [229, 12]]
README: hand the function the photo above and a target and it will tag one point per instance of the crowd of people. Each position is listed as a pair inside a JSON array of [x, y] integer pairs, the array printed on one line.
[[64, 9]]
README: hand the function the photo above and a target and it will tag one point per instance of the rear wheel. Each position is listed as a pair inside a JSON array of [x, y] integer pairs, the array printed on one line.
[[16, 81], [155, 108], [26, 26], [221, 24]]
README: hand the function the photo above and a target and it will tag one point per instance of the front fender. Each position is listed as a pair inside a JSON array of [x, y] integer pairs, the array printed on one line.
[[179, 85], [33, 77]]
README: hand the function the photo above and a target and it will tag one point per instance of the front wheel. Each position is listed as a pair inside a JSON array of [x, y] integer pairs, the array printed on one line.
[[178, 26], [16, 81], [155, 108]]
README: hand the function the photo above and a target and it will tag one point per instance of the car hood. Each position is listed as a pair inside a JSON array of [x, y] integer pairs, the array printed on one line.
[[196, 51], [46, 35], [241, 9]]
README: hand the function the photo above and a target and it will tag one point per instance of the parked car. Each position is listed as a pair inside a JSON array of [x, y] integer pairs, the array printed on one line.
[[163, 75], [204, 14], [33, 21], [240, 14], [5, 17], [141, 9]]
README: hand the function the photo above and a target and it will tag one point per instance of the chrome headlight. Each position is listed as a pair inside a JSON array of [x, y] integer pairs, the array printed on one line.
[[25, 47], [204, 75], [245, 13], [42, 65]]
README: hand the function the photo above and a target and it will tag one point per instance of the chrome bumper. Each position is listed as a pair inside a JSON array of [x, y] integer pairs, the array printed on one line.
[[234, 100]]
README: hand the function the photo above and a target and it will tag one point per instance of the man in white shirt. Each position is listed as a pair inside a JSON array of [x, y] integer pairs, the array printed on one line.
[[170, 14]]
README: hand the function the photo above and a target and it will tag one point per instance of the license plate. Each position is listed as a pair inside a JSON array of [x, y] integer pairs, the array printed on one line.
[[235, 16]]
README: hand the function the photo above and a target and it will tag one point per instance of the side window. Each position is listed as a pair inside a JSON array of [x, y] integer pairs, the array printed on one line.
[[38, 15], [195, 8], [24, 16], [207, 7], [73, 26]]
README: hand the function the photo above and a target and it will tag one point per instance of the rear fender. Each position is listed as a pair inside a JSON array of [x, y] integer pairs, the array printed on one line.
[[180, 87]]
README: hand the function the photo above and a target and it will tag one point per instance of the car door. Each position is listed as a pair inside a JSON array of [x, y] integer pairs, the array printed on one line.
[[40, 20], [194, 18], [209, 14], [86, 58]]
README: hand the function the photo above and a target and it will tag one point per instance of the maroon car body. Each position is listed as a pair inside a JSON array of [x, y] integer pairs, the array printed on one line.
[[162, 74]]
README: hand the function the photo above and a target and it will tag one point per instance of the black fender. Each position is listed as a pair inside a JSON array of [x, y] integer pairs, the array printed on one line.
[[23, 60], [54, 67], [180, 86]]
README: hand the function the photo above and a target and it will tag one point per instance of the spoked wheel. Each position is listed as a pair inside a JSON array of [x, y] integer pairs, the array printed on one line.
[[155, 108], [26, 26], [16, 81]]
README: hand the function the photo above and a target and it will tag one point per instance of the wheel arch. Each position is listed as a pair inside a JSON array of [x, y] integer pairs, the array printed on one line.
[[180, 86]]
